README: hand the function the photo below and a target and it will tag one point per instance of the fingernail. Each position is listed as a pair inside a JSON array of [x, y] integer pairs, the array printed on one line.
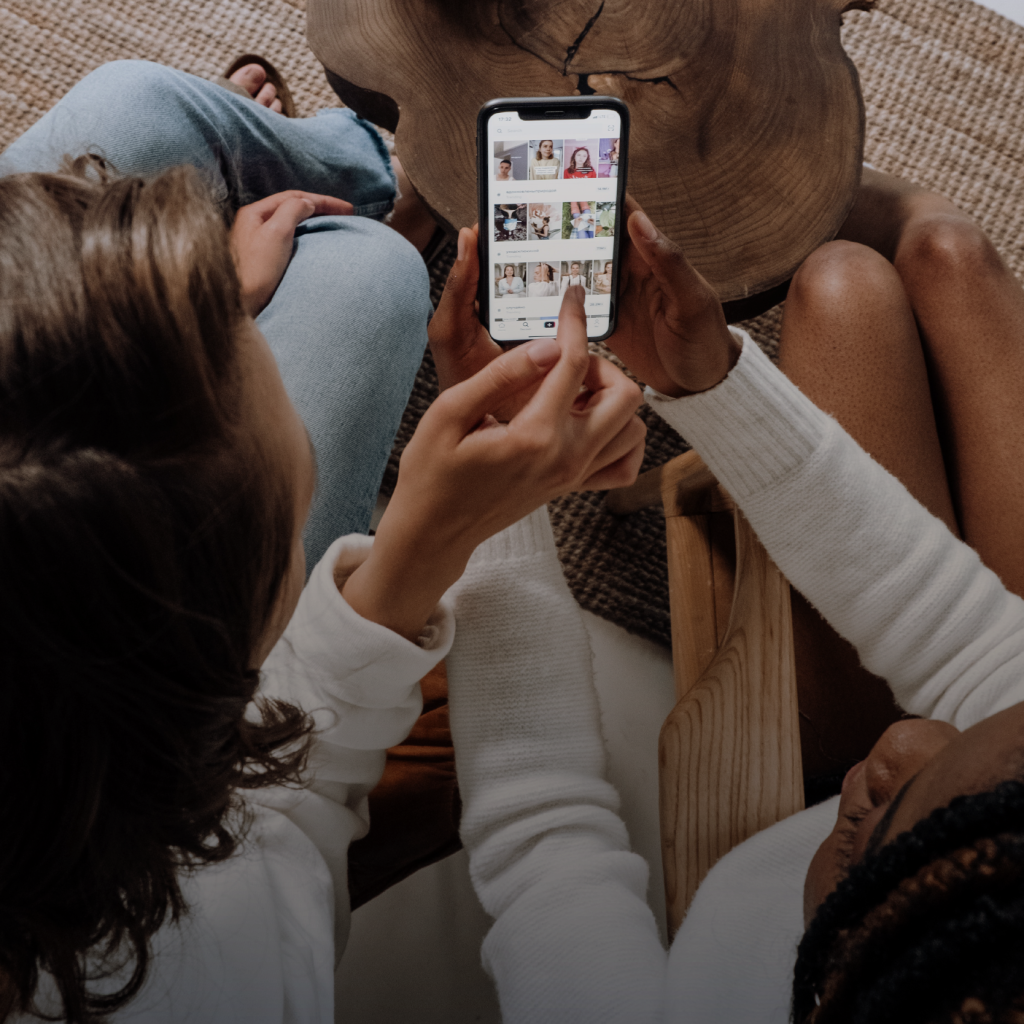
[[646, 226], [544, 352], [463, 244]]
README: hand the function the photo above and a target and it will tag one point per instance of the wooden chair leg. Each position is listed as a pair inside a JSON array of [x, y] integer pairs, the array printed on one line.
[[729, 752]]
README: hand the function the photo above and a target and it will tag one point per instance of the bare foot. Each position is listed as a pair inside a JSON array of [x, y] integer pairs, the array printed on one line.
[[411, 218], [253, 79]]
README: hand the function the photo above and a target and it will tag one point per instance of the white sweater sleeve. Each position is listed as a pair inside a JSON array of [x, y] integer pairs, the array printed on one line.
[[574, 939], [921, 609], [360, 682]]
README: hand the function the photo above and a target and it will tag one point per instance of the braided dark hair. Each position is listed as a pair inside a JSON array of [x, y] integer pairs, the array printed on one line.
[[930, 929]]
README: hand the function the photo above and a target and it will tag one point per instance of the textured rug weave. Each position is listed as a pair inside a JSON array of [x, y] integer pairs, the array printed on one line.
[[943, 84]]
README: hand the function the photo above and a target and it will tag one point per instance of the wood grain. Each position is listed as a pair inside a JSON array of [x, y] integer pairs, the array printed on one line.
[[747, 118], [729, 752]]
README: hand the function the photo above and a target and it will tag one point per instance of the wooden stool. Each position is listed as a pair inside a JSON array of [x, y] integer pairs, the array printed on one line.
[[747, 120]]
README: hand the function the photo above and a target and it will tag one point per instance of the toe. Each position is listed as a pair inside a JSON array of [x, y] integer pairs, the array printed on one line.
[[250, 77], [278, 106], [266, 95]]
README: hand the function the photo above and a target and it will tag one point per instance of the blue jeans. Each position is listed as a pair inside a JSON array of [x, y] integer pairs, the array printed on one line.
[[348, 323]]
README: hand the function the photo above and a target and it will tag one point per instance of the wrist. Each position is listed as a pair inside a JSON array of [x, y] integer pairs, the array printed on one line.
[[693, 380], [402, 579]]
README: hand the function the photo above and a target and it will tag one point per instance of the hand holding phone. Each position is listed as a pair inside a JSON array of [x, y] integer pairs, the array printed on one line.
[[467, 473], [672, 332], [459, 343]]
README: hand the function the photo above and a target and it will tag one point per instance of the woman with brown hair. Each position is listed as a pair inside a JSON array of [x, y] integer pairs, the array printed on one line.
[[579, 165], [187, 734], [545, 165]]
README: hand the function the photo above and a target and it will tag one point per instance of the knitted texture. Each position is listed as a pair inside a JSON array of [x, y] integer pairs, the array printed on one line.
[[549, 856], [919, 606], [943, 85]]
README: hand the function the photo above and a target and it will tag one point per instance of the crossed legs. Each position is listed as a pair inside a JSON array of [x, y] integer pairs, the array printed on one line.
[[348, 323]]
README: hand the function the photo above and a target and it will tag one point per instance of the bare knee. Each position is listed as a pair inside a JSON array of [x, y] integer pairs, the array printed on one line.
[[946, 249], [839, 275], [845, 302]]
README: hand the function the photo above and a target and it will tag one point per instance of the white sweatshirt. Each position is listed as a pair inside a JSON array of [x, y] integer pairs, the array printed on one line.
[[266, 928], [573, 938]]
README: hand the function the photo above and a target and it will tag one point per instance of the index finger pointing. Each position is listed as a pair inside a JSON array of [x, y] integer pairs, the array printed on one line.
[[561, 386]]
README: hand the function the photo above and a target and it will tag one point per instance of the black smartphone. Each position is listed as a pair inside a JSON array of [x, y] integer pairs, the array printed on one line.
[[552, 182]]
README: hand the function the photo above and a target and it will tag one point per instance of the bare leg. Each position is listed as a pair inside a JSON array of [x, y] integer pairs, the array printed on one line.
[[969, 310], [849, 341], [938, 324]]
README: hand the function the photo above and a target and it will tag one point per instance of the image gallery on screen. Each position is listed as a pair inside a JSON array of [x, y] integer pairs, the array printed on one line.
[[555, 159], [553, 224], [547, 239]]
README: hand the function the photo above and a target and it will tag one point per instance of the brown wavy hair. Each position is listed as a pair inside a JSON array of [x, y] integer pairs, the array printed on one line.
[[144, 536]]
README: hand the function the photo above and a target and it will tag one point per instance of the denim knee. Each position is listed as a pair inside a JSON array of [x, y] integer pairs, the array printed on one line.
[[128, 111], [127, 93], [365, 275]]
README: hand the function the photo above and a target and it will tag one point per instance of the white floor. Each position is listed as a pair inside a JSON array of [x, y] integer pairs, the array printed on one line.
[[1012, 9], [413, 954]]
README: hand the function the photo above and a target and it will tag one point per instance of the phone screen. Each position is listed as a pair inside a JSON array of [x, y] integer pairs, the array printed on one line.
[[552, 200]]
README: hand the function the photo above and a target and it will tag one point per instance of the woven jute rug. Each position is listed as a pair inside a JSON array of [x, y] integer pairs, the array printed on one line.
[[943, 84]]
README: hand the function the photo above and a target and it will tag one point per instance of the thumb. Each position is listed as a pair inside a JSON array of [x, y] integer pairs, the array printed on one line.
[[685, 292], [289, 215], [467, 403], [460, 288], [452, 327]]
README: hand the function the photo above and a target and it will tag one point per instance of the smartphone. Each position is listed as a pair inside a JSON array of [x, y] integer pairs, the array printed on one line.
[[552, 181]]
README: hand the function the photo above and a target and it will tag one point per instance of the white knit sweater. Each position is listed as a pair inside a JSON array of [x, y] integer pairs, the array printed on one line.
[[574, 939]]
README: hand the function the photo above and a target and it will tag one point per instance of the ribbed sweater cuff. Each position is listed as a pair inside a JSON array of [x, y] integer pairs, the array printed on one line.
[[752, 428], [530, 536]]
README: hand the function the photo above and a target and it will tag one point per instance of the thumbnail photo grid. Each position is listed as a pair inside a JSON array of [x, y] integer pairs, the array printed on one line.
[[548, 279], [555, 159], [578, 220], [552, 230]]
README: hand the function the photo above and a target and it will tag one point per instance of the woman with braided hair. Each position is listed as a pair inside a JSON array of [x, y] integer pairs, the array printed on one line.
[[902, 898], [929, 927]]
